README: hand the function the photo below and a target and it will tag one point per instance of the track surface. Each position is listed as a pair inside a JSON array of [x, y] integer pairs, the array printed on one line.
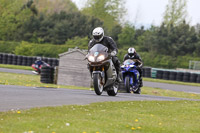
[[21, 97]]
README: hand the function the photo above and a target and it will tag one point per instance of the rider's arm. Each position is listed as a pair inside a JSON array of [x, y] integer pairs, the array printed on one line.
[[90, 45], [125, 57], [139, 60], [113, 45]]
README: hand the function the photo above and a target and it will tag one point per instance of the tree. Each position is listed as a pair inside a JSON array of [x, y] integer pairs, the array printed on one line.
[[126, 37], [109, 11], [176, 12], [55, 6]]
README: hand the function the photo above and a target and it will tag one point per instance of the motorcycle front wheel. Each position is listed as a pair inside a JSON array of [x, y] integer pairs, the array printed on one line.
[[98, 87], [127, 84]]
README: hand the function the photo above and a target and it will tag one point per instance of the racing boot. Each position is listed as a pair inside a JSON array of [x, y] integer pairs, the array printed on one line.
[[119, 75], [141, 83]]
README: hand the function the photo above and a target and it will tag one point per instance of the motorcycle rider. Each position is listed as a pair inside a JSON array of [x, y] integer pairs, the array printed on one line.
[[98, 37], [38, 63], [133, 55]]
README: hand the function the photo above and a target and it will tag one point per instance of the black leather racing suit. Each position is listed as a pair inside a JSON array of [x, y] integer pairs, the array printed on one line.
[[111, 45], [139, 63]]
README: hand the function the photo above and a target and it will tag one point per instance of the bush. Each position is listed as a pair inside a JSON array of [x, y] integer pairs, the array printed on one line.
[[8, 47]]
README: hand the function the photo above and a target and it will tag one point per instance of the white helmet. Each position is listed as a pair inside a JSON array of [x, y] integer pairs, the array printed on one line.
[[131, 51], [98, 34]]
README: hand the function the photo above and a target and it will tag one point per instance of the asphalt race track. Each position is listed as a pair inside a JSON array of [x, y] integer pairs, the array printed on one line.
[[21, 97]]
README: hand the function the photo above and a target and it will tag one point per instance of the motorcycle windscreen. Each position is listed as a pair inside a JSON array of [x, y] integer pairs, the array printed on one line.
[[99, 48], [128, 62]]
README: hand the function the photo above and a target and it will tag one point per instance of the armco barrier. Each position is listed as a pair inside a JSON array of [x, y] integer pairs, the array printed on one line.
[[12, 59]]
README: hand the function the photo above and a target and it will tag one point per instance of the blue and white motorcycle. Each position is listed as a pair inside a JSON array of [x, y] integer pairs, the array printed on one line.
[[131, 76]]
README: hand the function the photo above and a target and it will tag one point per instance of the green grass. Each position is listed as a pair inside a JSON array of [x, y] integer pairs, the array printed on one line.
[[16, 67], [171, 82], [29, 80], [34, 81], [107, 117]]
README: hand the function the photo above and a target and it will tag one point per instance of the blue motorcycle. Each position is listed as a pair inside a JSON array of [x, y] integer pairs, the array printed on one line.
[[131, 76]]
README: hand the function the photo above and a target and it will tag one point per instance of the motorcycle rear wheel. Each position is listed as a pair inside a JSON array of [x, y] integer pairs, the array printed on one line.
[[127, 84], [98, 87]]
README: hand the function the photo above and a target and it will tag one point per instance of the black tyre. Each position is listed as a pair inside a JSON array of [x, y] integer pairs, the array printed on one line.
[[172, 75], [186, 77], [159, 74], [166, 75], [198, 79], [147, 72], [193, 77], [179, 76], [114, 90], [127, 84], [98, 87]]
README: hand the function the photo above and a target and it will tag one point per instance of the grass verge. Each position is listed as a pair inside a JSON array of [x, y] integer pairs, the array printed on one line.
[[16, 67], [170, 82], [107, 117], [34, 81], [29, 80]]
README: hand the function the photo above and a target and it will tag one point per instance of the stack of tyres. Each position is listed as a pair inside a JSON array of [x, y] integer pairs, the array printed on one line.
[[198, 78], [24, 61], [10, 58], [172, 75], [47, 74], [54, 62], [1, 58], [19, 60], [45, 59], [179, 76], [166, 75], [143, 72], [193, 77], [4, 59], [147, 72], [159, 74], [14, 60], [186, 77], [29, 61], [50, 61]]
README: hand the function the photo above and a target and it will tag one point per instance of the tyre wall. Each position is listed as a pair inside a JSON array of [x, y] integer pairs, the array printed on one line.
[[47, 74], [12, 59]]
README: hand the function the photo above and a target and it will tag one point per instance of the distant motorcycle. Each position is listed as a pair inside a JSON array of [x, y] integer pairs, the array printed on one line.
[[102, 69], [38, 68], [131, 76]]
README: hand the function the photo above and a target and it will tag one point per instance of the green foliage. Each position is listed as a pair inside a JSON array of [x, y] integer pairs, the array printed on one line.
[[48, 50], [56, 28], [79, 42], [127, 36], [109, 11], [8, 47], [55, 6], [175, 12]]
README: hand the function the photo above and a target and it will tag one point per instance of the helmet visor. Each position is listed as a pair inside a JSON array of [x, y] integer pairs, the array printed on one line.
[[97, 37]]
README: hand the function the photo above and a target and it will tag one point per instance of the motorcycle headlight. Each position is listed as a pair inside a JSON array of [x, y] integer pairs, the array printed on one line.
[[91, 58], [100, 58], [122, 66]]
